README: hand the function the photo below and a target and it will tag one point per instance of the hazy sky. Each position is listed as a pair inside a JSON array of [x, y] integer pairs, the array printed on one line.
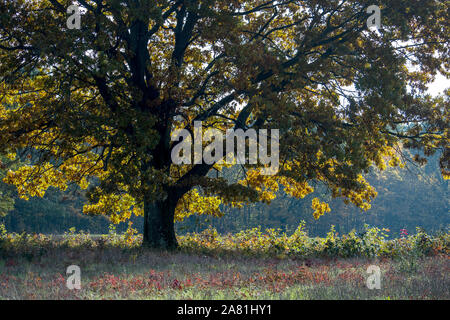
[[439, 85]]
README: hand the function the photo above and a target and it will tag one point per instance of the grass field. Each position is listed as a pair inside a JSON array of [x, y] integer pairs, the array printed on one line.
[[113, 267], [118, 274]]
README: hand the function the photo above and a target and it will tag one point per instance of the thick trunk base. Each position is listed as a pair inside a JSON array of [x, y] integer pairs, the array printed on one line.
[[159, 227]]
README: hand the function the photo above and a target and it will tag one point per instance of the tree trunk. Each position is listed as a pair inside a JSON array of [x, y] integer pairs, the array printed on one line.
[[159, 226]]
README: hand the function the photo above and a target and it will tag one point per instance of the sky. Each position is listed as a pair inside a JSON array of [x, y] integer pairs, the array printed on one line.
[[439, 85]]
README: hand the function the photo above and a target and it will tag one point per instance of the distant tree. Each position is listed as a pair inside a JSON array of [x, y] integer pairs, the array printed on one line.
[[411, 197], [99, 103]]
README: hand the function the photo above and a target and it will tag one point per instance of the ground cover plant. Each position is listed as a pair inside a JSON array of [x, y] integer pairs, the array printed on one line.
[[249, 265]]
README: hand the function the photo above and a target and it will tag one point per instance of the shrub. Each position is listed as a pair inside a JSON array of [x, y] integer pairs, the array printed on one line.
[[372, 243]]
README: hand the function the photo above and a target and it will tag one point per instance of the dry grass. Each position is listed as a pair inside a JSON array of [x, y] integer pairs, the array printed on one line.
[[127, 273]]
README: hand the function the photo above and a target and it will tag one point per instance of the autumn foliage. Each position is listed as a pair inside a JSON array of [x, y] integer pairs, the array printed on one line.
[[97, 106]]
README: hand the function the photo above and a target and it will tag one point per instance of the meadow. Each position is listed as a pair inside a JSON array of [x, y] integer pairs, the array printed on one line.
[[252, 264]]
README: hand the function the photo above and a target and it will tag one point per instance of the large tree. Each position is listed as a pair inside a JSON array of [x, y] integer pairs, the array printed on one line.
[[97, 105], [7, 196]]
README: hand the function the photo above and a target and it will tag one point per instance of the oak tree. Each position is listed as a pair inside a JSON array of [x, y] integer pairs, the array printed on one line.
[[96, 106]]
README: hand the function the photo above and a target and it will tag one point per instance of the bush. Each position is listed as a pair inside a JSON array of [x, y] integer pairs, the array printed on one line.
[[371, 243]]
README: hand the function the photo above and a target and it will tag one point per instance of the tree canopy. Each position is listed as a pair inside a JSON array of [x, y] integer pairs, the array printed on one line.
[[6, 191], [96, 106]]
